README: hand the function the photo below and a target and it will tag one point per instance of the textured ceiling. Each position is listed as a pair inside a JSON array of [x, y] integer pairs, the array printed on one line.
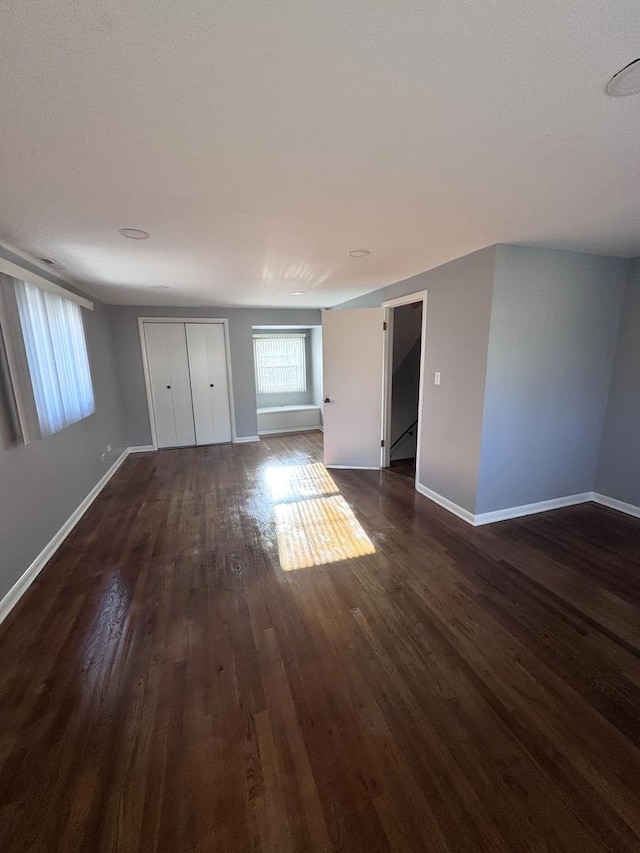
[[260, 142]]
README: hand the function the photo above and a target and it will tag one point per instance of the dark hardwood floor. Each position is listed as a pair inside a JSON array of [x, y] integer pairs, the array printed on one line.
[[404, 467], [235, 651]]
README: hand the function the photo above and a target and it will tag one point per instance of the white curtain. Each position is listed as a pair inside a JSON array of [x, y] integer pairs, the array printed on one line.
[[280, 364], [56, 350]]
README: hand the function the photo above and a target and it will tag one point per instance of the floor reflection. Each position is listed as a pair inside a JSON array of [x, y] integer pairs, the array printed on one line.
[[314, 523], [296, 482]]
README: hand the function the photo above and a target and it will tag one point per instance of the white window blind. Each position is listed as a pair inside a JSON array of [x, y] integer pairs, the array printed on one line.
[[280, 364], [56, 350]]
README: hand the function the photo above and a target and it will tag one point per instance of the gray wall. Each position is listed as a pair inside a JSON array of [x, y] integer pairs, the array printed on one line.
[[42, 483], [124, 321], [554, 323], [316, 368], [619, 466], [458, 319]]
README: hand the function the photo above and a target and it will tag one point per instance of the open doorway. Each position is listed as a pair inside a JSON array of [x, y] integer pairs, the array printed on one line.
[[406, 321]]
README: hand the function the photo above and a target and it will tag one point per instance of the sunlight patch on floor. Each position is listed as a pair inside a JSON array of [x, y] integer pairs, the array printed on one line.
[[319, 531], [296, 482], [314, 523]]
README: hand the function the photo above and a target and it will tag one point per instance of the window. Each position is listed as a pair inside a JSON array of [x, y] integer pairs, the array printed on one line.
[[280, 364], [56, 352]]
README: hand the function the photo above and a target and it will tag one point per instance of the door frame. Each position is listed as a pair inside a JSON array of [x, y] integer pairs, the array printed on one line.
[[147, 376], [387, 376]]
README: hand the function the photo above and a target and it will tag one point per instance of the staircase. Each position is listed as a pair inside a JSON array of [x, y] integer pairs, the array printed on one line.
[[404, 417]]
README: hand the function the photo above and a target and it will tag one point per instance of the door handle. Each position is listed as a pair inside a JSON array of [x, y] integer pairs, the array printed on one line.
[[327, 400]]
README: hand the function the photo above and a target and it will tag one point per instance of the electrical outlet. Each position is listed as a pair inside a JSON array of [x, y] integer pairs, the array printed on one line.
[[436, 378], [108, 448], [103, 457]]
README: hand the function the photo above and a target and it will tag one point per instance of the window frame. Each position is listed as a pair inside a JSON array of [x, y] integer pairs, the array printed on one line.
[[14, 367], [301, 368]]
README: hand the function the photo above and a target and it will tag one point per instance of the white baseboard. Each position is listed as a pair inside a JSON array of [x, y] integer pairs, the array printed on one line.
[[527, 509], [26, 579], [462, 513], [288, 429], [141, 448], [246, 439], [613, 503], [531, 509], [354, 467]]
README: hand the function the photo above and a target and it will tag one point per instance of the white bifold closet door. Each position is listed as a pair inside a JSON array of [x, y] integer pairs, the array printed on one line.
[[170, 384], [189, 382], [209, 383]]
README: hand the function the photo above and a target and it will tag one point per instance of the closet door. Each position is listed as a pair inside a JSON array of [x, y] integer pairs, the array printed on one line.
[[170, 387], [209, 382]]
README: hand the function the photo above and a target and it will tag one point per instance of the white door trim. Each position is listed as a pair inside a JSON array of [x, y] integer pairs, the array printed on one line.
[[419, 296], [387, 377], [147, 376]]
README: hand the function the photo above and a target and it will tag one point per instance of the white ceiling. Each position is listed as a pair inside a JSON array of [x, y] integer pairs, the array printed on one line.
[[259, 142]]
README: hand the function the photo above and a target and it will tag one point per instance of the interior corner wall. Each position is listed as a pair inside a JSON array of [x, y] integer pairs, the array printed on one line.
[[42, 483], [316, 368], [124, 321], [554, 323], [619, 465], [458, 319]]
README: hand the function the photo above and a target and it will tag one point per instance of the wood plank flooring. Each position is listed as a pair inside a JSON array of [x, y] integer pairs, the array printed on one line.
[[408, 683]]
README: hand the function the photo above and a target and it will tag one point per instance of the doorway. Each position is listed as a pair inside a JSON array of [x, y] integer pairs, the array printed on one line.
[[358, 385], [404, 367]]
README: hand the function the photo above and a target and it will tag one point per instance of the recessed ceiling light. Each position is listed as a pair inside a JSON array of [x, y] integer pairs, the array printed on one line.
[[626, 81], [159, 287], [134, 234], [298, 292], [359, 253]]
